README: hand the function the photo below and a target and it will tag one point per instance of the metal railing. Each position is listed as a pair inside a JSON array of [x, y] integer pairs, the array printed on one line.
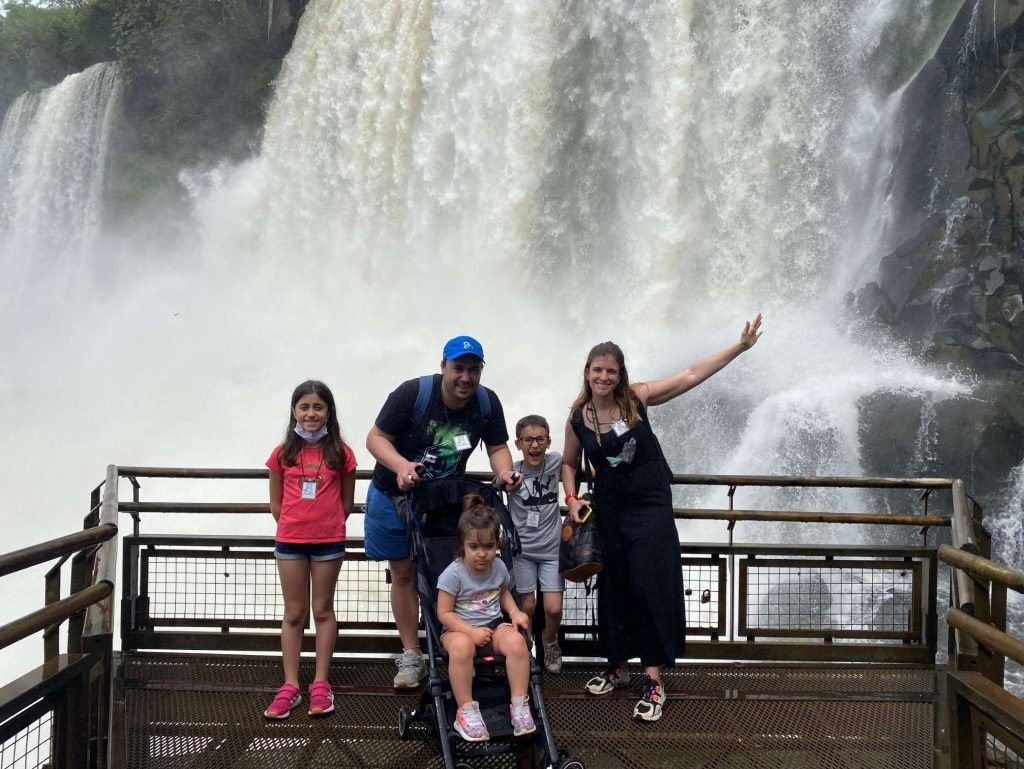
[[986, 721], [868, 603], [752, 601], [58, 714]]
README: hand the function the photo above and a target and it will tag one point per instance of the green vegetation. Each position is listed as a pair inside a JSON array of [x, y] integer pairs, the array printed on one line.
[[40, 45], [197, 74]]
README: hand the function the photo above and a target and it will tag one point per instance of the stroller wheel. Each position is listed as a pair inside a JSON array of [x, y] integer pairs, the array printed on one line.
[[404, 717], [571, 763]]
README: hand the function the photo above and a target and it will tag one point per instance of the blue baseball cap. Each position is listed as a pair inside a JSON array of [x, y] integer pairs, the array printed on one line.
[[462, 345]]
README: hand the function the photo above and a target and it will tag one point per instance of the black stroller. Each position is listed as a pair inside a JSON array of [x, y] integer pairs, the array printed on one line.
[[435, 507]]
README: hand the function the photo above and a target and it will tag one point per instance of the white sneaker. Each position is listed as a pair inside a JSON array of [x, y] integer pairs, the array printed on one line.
[[411, 671]]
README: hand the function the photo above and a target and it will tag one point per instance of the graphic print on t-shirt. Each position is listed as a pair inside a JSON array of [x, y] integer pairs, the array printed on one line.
[[480, 601], [539, 490], [441, 458]]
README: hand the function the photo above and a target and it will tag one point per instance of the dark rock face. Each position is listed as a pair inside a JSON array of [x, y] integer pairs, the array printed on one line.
[[952, 288]]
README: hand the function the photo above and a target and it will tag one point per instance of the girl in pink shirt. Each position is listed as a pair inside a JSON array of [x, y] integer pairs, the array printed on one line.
[[312, 485]]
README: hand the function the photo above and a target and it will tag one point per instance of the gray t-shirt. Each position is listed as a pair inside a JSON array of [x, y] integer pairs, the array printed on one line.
[[534, 509], [477, 599]]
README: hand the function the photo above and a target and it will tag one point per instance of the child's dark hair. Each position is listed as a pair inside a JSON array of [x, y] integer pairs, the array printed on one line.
[[532, 420], [333, 444], [476, 516]]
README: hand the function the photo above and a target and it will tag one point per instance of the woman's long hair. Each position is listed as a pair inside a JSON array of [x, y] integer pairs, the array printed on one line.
[[333, 444], [622, 394], [476, 516]]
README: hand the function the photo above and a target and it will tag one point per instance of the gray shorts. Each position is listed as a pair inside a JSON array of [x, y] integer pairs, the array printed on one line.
[[528, 572]]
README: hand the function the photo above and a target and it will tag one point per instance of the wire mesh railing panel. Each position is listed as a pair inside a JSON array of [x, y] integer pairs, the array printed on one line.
[[205, 585], [830, 598], [999, 748], [30, 746], [241, 588], [703, 580], [703, 595], [364, 595]]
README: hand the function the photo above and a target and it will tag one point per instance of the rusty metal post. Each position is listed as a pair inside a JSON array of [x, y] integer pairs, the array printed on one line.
[[51, 635], [136, 497], [732, 571]]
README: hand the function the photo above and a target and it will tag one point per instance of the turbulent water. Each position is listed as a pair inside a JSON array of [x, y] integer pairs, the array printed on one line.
[[541, 175], [548, 175]]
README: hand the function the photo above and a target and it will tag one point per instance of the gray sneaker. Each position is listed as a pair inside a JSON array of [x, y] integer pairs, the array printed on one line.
[[552, 657], [411, 671]]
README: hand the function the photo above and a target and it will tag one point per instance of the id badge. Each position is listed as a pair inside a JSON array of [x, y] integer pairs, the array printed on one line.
[[533, 519], [309, 489], [620, 427], [462, 442]]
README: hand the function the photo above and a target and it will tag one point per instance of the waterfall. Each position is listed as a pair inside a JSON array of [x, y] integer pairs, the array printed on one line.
[[541, 175], [53, 150], [558, 173]]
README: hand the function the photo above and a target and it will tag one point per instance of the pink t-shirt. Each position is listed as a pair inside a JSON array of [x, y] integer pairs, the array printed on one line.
[[321, 519]]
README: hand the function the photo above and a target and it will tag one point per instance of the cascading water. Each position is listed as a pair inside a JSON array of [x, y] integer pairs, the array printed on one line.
[[543, 176], [573, 171], [53, 150]]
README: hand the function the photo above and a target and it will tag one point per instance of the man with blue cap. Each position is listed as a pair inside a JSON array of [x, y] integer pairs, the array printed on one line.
[[426, 429]]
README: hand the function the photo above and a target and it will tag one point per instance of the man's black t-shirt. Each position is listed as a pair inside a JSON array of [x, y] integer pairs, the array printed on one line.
[[442, 439]]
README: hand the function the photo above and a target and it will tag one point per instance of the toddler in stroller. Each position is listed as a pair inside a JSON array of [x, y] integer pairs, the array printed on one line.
[[462, 540], [472, 592]]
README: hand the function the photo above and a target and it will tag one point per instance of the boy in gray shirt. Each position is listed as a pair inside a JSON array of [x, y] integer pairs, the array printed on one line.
[[534, 510]]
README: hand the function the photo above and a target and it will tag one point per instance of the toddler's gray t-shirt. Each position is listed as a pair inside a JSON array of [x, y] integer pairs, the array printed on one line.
[[477, 599]]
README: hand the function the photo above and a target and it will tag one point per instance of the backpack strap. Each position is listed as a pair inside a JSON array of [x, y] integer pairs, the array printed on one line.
[[419, 409], [576, 421], [426, 386], [483, 395]]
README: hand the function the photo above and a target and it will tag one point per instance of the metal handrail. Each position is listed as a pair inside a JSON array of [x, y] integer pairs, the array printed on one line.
[[994, 639], [983, 568], [54, 613], [731, 481], [125, 471], [55, 548]]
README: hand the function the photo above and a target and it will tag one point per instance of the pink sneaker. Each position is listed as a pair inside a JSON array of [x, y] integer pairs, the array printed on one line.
[[469, 723], [321, 698], [522, 718], [287, 697]]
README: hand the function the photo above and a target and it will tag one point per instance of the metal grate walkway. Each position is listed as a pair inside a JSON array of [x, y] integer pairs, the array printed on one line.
[[205, 712]]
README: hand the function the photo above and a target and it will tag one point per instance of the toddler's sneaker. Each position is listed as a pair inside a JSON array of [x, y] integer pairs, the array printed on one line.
[[651, 702], [321, 698], [611, 679], [552, 657], [287, 697], [522, 718], [470, 724], [411, 671]]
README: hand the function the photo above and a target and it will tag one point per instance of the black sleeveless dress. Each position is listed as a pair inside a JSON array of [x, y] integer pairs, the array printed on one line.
[[640, 592]]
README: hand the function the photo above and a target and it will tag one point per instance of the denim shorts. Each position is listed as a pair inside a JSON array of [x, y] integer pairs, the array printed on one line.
[[313, 551], [384, 527]]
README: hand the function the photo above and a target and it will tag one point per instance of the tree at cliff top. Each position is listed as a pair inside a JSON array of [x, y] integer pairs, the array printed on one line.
[[39, 46]]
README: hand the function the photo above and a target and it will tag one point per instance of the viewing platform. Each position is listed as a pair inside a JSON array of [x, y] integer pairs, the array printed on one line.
[[798, 655]]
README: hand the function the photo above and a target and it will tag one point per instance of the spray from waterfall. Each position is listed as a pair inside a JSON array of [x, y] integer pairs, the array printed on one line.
[[541, 175]]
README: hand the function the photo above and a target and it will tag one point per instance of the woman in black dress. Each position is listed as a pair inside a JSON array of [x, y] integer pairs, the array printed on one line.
[[640, 591]]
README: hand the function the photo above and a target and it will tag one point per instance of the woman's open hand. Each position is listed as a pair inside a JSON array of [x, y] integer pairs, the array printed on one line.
[[751, 333]]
